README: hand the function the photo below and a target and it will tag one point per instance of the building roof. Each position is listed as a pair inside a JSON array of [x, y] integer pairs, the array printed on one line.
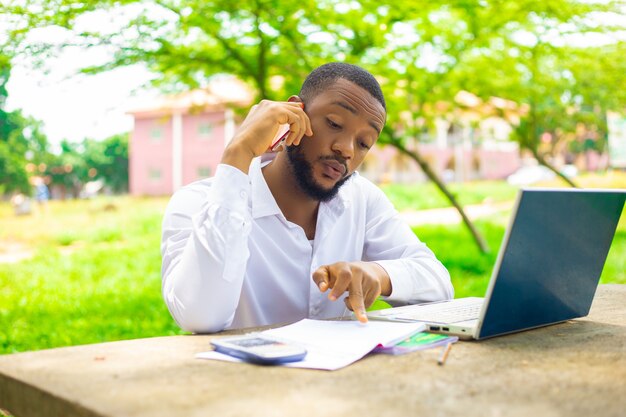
[[218, 95]]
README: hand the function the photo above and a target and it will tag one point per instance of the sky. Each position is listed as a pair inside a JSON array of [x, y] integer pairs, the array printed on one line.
[[75, 107]]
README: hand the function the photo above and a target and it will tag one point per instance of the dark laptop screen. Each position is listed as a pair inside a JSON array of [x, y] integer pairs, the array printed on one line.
[[556, 249]]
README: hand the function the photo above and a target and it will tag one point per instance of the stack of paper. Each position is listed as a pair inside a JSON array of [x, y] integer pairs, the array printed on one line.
[[332, 345]]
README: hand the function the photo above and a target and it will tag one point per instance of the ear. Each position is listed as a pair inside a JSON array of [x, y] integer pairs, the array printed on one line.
[[295, 99]]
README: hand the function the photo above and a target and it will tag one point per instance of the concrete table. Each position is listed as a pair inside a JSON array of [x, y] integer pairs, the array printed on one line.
[[576, 368]]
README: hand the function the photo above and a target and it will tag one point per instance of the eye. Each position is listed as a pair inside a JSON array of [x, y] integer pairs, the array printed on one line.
[[364, 145], [333, 124]]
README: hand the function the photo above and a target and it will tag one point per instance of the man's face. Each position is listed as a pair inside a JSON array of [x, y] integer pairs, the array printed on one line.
[[346, 121]]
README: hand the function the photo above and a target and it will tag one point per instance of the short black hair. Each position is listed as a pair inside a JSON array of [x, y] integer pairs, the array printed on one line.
[[326, 75]]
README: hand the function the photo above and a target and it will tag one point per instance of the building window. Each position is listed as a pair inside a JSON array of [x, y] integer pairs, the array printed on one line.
[[154, 174], [205, 130], [156, 133], [204, 172]]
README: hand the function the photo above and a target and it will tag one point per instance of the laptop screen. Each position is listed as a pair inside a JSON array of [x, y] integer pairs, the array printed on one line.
[[553, 258]]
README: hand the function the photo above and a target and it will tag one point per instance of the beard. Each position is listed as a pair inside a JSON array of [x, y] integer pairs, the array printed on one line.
[[303, 171]]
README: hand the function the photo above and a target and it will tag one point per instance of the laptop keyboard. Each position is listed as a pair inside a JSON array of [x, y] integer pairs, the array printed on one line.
[[441, 312]]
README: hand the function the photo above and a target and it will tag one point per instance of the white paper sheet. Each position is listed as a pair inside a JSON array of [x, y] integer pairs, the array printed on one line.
[[332, 345]]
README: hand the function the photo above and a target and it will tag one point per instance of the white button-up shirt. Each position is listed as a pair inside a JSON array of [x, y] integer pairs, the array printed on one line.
[[231, 259]]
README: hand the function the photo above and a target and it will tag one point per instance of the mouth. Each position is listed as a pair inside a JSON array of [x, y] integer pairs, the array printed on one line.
[[333, 169]]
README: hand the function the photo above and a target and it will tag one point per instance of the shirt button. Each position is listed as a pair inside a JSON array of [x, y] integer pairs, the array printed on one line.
[[243, 194]]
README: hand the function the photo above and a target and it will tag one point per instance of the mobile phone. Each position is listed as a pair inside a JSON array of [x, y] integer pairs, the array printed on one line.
[[279, 139], [259, 349]]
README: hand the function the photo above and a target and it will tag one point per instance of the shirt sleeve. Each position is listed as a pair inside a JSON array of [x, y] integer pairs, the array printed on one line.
[[204, 248], [416, 274]]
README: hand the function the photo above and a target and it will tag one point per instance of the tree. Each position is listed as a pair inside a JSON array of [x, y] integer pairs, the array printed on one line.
[[68, 169], [255, 40], [432, 53], [424, 52], [545, 62], [89, 160], [21, 141], [108, 160]]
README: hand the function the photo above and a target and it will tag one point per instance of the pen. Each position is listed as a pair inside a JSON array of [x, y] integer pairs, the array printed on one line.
[[444, 354]]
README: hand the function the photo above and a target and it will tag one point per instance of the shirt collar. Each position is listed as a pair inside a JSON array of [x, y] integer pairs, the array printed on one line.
[[264, 204]]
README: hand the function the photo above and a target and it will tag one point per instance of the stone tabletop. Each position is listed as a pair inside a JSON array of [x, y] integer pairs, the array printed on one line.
[[577, 368]]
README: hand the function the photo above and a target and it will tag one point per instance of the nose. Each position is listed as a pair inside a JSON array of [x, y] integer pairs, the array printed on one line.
[[343, 145]]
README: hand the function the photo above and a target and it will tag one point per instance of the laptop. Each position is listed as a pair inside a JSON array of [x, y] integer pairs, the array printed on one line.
[[546, 272]]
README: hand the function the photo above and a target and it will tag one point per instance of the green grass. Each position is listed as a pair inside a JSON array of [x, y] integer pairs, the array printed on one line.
[[105, 287], [95, 274], [470, 270], [428, 196]]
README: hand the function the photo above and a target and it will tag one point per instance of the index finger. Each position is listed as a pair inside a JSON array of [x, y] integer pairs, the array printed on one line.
[[321, 277], [355, 296], [300, 127]]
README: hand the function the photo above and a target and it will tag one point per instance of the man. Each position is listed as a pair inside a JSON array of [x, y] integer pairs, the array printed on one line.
[[275, 238]]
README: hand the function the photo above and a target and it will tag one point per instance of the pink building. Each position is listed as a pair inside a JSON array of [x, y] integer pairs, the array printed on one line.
[[471, 140], [451, 163], [180, 139]]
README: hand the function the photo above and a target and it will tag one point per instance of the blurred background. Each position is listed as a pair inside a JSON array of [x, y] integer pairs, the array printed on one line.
[[107, 107]]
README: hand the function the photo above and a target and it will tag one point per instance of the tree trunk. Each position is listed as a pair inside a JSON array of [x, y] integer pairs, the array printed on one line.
[[545, 163], [414, 155]]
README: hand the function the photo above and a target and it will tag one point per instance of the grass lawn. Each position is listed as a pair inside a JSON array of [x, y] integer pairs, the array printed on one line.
[[427, 196], [470, 270], [94, 274]]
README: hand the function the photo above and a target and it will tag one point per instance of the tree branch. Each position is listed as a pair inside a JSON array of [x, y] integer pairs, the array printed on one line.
[[415, 156]]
